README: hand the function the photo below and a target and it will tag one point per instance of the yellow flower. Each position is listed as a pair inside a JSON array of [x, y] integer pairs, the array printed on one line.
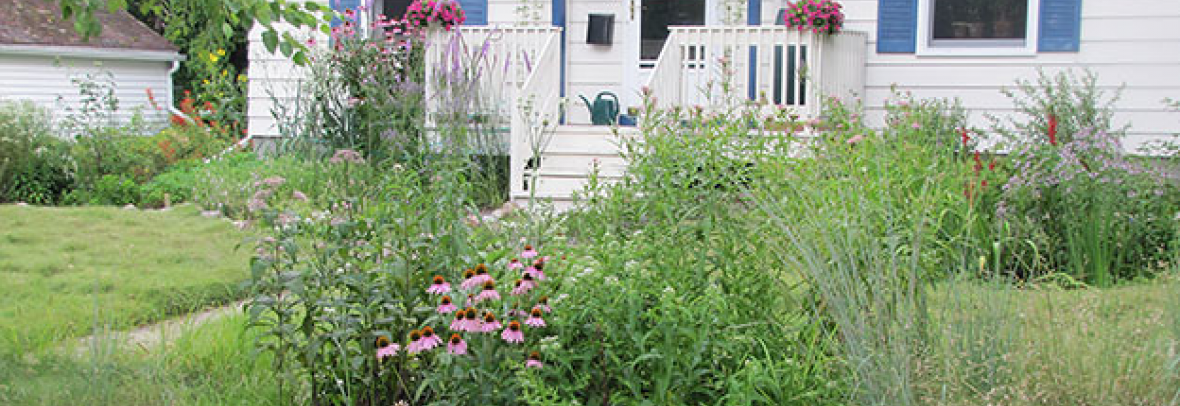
[[224, 73], [241, 78], [206, 81], [213, 58], [220, 52]]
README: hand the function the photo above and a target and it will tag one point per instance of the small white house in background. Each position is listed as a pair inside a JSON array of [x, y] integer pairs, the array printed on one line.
[[41, 56], [965, 49]]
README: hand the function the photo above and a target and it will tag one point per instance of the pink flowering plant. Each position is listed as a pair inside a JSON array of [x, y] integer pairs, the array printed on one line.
[[817, 16], [445, 13]]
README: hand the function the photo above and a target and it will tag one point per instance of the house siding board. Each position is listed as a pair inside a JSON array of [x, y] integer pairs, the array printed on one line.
[[46, 81], [1115, 44], [594, 68], [274, 80]]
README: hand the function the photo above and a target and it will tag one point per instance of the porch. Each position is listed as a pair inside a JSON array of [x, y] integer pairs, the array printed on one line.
[[520, 73]]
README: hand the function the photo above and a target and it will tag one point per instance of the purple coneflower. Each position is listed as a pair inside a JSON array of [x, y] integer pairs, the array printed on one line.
[[457, 323], [438, 286], [543, 304], [520, 287], [490, 324], [488, 293], [512, 334], [537, 270], [415, 342], [528, 280], [535, 319], [481, 274], [456, 345], [446, 306], [468, 279], [534, 361], [386, 348], [515, 264], [471, 321], [528, 252], [429, 339]]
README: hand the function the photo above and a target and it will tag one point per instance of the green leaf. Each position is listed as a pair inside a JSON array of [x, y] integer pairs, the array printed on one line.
[[116, 5], [271, 39], [286, 48], [227, 30], [300, 58]]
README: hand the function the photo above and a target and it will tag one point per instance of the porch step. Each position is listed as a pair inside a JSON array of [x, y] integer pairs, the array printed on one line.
[[568, 159]]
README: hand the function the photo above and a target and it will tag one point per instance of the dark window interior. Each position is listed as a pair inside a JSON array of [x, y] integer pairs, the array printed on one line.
[[658, 15], [395, 9], [980, 19]]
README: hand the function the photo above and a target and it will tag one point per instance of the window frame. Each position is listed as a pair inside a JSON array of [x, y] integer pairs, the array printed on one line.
[[925, 36]]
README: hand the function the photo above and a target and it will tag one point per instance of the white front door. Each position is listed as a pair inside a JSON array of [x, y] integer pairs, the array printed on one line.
[[649, 22]]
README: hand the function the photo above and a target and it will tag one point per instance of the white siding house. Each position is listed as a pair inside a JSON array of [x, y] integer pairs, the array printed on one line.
[[42, 56], [965, 49]]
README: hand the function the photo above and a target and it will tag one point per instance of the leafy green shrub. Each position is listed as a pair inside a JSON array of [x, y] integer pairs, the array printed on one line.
[[1076, 203], [178, 184], [34, 163], [683, 296]]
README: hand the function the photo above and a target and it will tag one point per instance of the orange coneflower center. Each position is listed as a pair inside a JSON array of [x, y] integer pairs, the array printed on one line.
[[528, 247], [514, 326], [481, 269], [540, 264], [455, 339], [470, 314], [438, 280], [415, 335], [446, 300], [468, 273], [427, 332], [543, 300], [382, 341], [489, 285], [535, 313], [528, 276], [459, 315], [489, 317], [518, 282], [514, 260], [536, 356]]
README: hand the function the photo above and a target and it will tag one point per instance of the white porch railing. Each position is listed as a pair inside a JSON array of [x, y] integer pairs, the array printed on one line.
[[780, 65], [535, 112], [518, 68], [500, 59]]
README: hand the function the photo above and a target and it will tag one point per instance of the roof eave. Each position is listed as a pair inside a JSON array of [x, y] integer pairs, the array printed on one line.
[[91, 52]]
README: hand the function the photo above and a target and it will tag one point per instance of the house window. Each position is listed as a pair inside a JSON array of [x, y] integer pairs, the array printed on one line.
[[977, 27], [395, 9]]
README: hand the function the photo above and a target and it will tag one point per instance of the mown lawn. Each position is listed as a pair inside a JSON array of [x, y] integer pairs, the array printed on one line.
[[67, 271]]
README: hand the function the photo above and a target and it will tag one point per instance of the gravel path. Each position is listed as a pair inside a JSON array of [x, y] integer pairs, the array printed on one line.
[[152, 335]]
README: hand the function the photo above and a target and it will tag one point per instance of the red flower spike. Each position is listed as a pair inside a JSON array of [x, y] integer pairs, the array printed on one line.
[[966, 138], [1053, 130]]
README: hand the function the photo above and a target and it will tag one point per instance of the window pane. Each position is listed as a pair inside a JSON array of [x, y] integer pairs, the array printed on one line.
[[980, 19], [658, 15], [395, 9]]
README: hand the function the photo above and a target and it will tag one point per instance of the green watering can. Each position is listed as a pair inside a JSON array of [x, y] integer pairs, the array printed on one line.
[[604, 110]]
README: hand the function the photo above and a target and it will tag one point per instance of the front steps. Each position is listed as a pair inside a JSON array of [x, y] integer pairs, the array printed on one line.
[[568, 159]]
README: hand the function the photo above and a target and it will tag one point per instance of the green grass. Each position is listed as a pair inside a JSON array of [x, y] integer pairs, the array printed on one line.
[[66, 271], [213, 364], [1115, 346]]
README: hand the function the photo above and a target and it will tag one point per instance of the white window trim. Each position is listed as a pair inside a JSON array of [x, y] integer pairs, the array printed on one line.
[[925, 33]]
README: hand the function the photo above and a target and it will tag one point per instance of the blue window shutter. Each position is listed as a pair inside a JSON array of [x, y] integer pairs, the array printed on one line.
[[1061, 26], [897, 26], [476, 11]]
